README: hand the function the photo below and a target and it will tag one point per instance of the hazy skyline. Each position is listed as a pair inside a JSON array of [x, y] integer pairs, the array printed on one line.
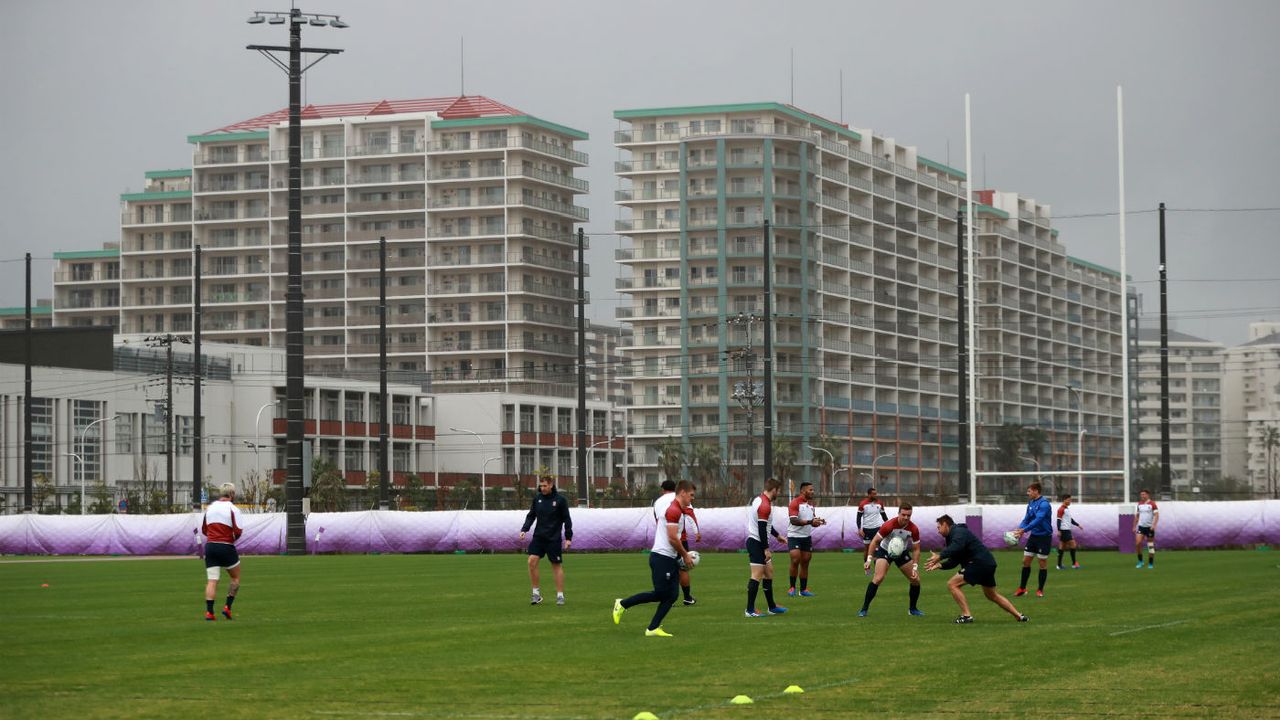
[[125, 83]]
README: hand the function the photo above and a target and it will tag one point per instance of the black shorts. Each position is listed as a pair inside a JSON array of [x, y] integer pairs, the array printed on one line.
[[1149, 532], [901, 560], [1065, 536], [984, 575], [1038, 545], [755, 552], [221, 555], [803, 544], [868, 534], [550, 548]]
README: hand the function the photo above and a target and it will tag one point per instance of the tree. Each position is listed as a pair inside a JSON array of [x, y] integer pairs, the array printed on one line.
[[101, 495], [705, 467], [1270, 436], [41, 489], [671, 458], [328, 489], [1008, 448], [784, 462]]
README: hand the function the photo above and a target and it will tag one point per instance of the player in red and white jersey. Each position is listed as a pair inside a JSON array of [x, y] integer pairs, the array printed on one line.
[[759, 527], [663, 566], [1144, 526], [221, 527], [802, 519], [871, 516], [1066, 541], [691, 520], [908, 562]]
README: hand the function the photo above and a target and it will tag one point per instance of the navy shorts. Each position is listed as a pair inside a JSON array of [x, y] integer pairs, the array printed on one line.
[[984, 575], [221, 555], [755, 552], [666, 576], [901, 560], [550, 548], [1065, 536], [868, 534], [803, 544], [1149, 532], [1038, 545]]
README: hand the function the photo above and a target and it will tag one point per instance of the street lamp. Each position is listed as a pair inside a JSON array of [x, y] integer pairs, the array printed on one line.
[[295, 523], [591, 465], [81, 462], [875, 462], [1034, 462], [482, 467], [83, 438], [257, 439], [483, 470], [833, 464], [1075, 391]]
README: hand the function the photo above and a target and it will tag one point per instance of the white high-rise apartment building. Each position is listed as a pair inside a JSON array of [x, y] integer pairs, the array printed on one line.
[[475, 200], [1251, 409], [1195, 407], [865, 307]]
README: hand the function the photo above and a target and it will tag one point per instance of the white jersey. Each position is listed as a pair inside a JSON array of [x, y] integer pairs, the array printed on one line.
[[1147, 512], [761, 509], [672, 515], [804, 512], [1064, 518], [661, 504]]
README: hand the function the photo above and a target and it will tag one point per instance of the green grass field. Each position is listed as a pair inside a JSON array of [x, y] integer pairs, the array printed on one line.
[[424, 636]]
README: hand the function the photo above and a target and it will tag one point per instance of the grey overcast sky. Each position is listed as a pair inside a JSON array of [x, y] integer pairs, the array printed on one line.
[[96, 93]]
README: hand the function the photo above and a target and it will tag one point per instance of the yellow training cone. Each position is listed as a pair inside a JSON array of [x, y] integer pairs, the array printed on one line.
[[646, 715], [741, 700], [793, 690]]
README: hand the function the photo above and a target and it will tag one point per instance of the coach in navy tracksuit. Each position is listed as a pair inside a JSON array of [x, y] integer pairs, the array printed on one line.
[[551, 511], [1038, 524], [977, 567]]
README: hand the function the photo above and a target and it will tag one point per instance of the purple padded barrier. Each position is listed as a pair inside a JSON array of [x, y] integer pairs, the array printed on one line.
[[1182, 525]]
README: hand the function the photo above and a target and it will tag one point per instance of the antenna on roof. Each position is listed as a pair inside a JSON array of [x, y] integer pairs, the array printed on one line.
[[793, 76]]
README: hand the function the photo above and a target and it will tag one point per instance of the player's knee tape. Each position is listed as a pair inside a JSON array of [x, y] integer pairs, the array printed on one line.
[[213, 573]]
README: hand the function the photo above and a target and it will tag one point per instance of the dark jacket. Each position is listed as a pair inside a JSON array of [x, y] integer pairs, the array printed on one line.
[[964, 549], [551, 512]]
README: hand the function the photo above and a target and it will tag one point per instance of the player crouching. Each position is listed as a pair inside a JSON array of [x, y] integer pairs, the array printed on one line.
[[977, 567]]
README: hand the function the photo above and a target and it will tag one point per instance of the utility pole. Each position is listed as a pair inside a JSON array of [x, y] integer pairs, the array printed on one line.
[[384, 467], [28, 445], [1166, 482], [768, 351], [167, 340], [197, 370], [749, 394], [584, 492]]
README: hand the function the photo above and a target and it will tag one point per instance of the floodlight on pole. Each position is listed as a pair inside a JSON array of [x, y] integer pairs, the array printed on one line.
[[296, 540]]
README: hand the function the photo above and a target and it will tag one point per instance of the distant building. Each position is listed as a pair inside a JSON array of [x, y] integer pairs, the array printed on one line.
[[1251, 408], [15, 318], [1196, 407]]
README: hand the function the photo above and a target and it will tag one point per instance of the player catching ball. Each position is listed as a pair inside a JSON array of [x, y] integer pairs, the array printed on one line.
[[897, 542]]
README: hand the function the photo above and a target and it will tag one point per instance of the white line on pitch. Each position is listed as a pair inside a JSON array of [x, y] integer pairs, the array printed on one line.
[[1148, 627]]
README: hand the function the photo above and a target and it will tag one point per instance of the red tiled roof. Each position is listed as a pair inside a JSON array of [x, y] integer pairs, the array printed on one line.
[[449, 108]]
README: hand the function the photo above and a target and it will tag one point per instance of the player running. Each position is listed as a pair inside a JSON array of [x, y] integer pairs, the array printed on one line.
[[1039, 526], [878, 550], [663, 566], [221, 527], [802, 519], [977, 567], [1066, 541], [1144, 525], [659, 509], [760, 557]]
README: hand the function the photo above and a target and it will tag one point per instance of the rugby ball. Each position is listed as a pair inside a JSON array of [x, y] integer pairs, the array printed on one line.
[[897, 546], [693, 555], [1010, 538]]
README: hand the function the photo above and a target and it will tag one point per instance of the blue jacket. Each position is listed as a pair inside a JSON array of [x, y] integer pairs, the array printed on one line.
[[551, 513], [965, 549], [1038, 520]]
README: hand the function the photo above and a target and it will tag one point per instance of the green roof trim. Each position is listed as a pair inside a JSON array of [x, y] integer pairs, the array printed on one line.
[[980, 208], [738, 107], [940, 167], [228, 137], [160, 195], [1053, 232], [86, 254], [511, 120], [157, 174], [1094, 266], [21, 311]]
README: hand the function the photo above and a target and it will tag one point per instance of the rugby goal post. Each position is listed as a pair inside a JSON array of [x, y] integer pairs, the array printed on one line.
[[1078, 474]]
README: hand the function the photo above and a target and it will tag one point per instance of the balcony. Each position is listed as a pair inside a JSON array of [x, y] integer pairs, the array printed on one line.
[[385, 149], [417, 203]]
